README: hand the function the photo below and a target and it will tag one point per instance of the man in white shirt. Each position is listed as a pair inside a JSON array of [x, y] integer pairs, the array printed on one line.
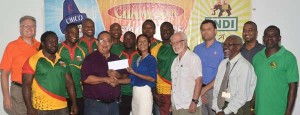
[[232, 94], [186, 74]]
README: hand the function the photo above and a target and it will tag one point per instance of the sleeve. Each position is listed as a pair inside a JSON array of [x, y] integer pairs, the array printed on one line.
[[153, 68], [196, 66], [7, 58], [292, 69], [243, 89], [27, 69], [85, 69]]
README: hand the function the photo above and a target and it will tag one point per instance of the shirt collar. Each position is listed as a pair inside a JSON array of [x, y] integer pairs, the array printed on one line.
[[40, 54], [235, 59]]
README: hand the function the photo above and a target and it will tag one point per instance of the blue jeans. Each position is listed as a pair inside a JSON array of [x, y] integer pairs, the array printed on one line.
[[93, 107], [155, 109]]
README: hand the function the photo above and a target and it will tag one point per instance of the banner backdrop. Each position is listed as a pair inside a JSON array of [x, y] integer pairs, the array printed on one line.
[[185, 15]]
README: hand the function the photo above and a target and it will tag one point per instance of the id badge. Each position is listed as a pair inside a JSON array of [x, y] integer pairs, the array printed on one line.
[[226, 95]]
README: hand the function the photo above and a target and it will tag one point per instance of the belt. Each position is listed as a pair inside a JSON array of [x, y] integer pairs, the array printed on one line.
[[16, 83], [203, 85], [104, 101]]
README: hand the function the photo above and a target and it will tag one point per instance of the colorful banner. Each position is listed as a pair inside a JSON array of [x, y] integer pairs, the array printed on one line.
[[185, 15]]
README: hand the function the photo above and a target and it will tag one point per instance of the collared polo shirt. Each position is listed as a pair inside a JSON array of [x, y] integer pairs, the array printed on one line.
[[117, 48], [274, 74], [210, 58], [126, 89], [184, 73], [96, 64], [89, 44], [49, 83], [75, 57], [249, 54], [15, 55]]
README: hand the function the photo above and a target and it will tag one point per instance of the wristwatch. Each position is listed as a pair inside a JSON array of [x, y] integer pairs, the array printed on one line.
[[196, 101]]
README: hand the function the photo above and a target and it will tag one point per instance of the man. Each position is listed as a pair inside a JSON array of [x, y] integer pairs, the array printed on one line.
[[165, 55], [88, 41], [74, 54], [186, 78], [148, 28], [15, 55], [251, 45], [100, 85], [235, 81], [116, 33], [211, 54], [131, 54], [277, 74], [46, 79]]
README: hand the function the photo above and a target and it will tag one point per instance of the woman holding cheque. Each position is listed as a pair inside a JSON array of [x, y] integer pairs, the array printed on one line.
[[143, 77]]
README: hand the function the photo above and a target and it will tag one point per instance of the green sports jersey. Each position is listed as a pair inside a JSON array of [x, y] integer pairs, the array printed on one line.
[[154, 42], [75, 57], [274, 73], [117, 48], [127, 89], [89, 44]]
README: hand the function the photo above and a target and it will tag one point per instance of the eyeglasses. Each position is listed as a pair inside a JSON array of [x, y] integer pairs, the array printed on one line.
[[176, 42], [228, 44], [102, 41], [28, 26]]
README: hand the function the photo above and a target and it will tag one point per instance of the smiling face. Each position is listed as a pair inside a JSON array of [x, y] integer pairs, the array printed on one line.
[[232, 46], [72, 34], [143, 44], [249, 32], [27, 28], [166, 31], [88, 28], [116, 31], [51, 44], [104, 43], [178, 43], [148, 29]]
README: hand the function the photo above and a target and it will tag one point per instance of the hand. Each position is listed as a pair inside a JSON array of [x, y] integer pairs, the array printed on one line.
[[112, 81], [74, 110], [113, 73], [192, 108], [203, 91], [32, 111], [7, 103], [204, 99], [203, 95], [221, 113], [130, 70]]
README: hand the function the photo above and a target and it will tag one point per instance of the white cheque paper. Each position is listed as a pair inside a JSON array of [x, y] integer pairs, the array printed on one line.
[[119, 64]]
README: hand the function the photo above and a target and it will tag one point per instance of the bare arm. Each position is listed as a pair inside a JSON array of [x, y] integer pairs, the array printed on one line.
[[91, 79], [71, 92], [26, 90], [196, 94], [293, 87], [5, 89]]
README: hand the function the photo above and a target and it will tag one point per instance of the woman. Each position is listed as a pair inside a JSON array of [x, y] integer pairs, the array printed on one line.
[[143, 77]]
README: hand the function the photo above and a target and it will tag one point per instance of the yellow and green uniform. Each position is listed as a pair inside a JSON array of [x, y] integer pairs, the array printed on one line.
[[274, 74], [89, 44], [75, 57], [164, 55], [127, 89], [49, 83], [154, 42], [117, 48]]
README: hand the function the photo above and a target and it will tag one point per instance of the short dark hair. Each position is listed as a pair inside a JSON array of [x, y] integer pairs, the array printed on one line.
[[208, 21], [252, 23], [149, 42], [103, 32], [114, 24], [150, 22], [70, 26], [130, 33], [87, 19], [45, 36], [272, 27]]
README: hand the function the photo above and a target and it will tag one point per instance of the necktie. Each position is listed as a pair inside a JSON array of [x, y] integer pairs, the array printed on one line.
[[221, 100]]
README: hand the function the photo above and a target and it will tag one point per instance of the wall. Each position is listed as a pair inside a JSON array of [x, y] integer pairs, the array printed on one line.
[[283, 14]]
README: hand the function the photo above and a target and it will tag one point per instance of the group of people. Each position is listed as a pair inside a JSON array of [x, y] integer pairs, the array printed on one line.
[[239, 76]]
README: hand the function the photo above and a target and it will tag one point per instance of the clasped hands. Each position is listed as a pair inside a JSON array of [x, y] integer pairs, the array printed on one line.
[[113, 77]]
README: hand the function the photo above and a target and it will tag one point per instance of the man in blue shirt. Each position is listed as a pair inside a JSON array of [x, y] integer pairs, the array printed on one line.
[[211, 54]]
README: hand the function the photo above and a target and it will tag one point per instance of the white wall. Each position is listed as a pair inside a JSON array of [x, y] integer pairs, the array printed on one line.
[[283, 14]]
